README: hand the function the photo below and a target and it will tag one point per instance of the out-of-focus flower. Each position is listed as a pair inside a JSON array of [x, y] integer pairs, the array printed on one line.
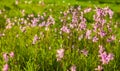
[[65, 29], [101, 49], [23, 29], [95, 39], [105, 58], [82, 24], [112, 38], [16, 2], [99, 68], [102, 33], [35, 39], [110, 12], [80, 37], [87, 10], [60, 54], [0, 11], [85, 52], [1, 35], [11, 54], [88, 33], [5, 57], [73, 68], [5, 67]]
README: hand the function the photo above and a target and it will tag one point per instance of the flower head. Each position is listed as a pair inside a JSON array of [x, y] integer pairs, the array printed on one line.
[[35, 39], [73, 68], [65, 29], [60, 54], [11, 54], [99, 68], [5, 56], [5, 67]]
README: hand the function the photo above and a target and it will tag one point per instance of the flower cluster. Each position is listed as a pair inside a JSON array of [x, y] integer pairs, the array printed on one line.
[[104, 57], [60, 54], [6, 58]]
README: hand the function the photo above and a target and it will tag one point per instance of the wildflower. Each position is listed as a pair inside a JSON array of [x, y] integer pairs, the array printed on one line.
[[88, 33], [101, 49], [95, 39], [60, 54], [35, 39], [5, 67], [5, 56], [110, 12], [99, 68], [113, 37], [16, 2], [11, 54], [105, 58], [87, 10], [102, 33], [82, 26], [80, 37], [73, 68], [65, 29], [85, 52], [2, 34]]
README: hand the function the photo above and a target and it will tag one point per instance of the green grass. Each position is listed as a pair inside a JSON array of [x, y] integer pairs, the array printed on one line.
[[42, 55]]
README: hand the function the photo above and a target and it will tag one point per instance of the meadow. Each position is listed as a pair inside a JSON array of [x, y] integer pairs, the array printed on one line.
[[59, 35]]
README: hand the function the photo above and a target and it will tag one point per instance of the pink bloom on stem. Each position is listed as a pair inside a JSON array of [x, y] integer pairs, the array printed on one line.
[[110, 57], [85, 52], [87, 10], [82, 26], [110, 12], [95, 39], [88, 33], [101, 49], [65, 29], [73, 68], [11, 54], [113, 37], [35, 39], [99, 68], [5, 56], [102, 33], [105, 58], [60, 54], [5, 67]]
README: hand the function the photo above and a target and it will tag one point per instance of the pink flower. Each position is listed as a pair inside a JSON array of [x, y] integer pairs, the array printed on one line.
[[101, 49], [5, 67], [35, 39], [11, 54], [102, 33], [87, 10], [110, 57], [85, 52], [73, 68], [95, 39], [113, 37], [5, 56], [60, 54], [104, 57], [99, 68], [110, 12], [88, 33], [82, 24], [65, 29]]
